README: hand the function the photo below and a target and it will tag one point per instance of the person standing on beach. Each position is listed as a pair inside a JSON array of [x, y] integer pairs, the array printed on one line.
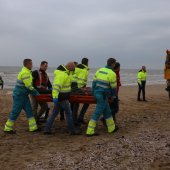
[[141, 78], [60, 93], [104, 87], [41, 83], [21, 100], [1, 83]]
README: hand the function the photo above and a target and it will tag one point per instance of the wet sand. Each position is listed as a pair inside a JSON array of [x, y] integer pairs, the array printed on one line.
[[142, 141]]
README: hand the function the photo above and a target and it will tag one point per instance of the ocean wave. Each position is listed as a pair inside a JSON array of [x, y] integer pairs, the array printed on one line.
[[128, 76]]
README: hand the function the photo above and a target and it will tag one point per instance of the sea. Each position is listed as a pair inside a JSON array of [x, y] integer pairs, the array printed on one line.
[[127, 76]]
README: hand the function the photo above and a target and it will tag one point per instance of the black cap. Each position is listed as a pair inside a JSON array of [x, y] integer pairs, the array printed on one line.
[[117, 65], [85, 61], [111, 61]]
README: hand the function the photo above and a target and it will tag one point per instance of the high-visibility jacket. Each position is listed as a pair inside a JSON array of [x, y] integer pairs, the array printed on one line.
[[73, 78], [62, 81], [24, 82], [141, 76], [81, 72], [105, 81]]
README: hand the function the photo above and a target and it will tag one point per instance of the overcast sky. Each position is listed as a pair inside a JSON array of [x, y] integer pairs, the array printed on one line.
[[135, 32]]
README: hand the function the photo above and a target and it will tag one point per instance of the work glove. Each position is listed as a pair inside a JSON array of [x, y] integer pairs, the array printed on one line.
[[55, 100], [34, 92]]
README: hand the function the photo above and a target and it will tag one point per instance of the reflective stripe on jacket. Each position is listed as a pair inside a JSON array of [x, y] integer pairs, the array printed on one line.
[[62, 82], [42, 80], [82, 75], [24, 78], [24, 82], [104, 80]]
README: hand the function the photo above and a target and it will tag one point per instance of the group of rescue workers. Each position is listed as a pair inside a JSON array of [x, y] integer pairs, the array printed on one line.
[[67, 78]]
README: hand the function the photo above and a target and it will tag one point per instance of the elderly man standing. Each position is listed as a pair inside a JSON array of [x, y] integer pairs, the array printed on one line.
[[60, 93], [21, 100]]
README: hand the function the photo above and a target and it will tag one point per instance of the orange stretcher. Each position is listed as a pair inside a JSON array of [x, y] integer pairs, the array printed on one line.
[[83, 95]]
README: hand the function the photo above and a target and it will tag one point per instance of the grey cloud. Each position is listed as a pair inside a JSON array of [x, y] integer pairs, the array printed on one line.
[[135, 32]]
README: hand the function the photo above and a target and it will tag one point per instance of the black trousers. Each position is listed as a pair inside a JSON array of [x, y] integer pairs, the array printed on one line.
[[141, 89], [2, 85], [114, 106]]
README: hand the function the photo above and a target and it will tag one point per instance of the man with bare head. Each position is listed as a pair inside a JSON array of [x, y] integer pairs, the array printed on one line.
[[41, 82], [60, 93]]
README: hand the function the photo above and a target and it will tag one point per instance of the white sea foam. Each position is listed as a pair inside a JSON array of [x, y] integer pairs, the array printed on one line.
[[128, 76]]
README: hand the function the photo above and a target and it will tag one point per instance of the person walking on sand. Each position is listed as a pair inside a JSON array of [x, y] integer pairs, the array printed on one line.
[[41, 83], [60, 93], [141, 78], [21, 100], [114, 104], [104, 87]]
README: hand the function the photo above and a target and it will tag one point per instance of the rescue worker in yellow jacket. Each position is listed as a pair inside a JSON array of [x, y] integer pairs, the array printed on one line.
[[81, 74], [104, 87], [141, 78], [60, 93], [21, 100], [74, 87]]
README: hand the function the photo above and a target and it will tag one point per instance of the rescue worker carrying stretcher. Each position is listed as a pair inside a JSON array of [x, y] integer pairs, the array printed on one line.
[[104, 87], [60, 93], [21, 100], [80, 76], [41, 83]]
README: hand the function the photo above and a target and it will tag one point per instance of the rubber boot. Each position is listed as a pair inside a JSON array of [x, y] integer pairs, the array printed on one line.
[[91, 128], [110, 124], [32, 124], [9, 127]]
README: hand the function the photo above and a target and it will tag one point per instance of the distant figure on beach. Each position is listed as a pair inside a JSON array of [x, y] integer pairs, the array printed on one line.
[[41, 83], [1, 83], [141, 79], [104, 87], [21, 100], [167, 71], [167, 62]]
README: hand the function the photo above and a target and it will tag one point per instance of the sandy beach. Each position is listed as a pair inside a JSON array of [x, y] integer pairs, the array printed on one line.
[[142, 141]]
